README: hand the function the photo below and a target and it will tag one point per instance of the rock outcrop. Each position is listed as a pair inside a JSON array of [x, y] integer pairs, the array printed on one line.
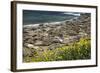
[[55, 34]]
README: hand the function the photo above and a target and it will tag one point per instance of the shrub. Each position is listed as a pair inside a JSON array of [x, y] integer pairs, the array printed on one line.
[[78, 50], [75, 51]]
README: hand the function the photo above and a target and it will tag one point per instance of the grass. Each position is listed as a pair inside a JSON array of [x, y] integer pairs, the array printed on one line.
[[75, 51]]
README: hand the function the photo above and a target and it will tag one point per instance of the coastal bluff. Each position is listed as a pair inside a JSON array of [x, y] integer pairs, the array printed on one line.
[[55, 34]]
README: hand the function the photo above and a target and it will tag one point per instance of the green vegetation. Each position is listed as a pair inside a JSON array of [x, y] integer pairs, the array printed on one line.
[[74, 51]]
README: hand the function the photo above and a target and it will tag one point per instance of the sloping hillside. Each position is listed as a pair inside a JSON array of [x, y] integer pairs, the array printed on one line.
[[49, 36]]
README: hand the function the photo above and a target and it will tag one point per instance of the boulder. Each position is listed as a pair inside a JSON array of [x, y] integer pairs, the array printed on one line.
[[38, 43]]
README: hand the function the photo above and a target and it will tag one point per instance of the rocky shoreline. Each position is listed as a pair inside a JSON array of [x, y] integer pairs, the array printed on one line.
[[56, 34]]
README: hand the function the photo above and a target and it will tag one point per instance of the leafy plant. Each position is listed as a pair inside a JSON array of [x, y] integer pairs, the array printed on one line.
[[74, 51]]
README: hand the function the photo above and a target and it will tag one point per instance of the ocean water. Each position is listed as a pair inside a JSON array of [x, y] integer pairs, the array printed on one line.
[[36, 17]]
